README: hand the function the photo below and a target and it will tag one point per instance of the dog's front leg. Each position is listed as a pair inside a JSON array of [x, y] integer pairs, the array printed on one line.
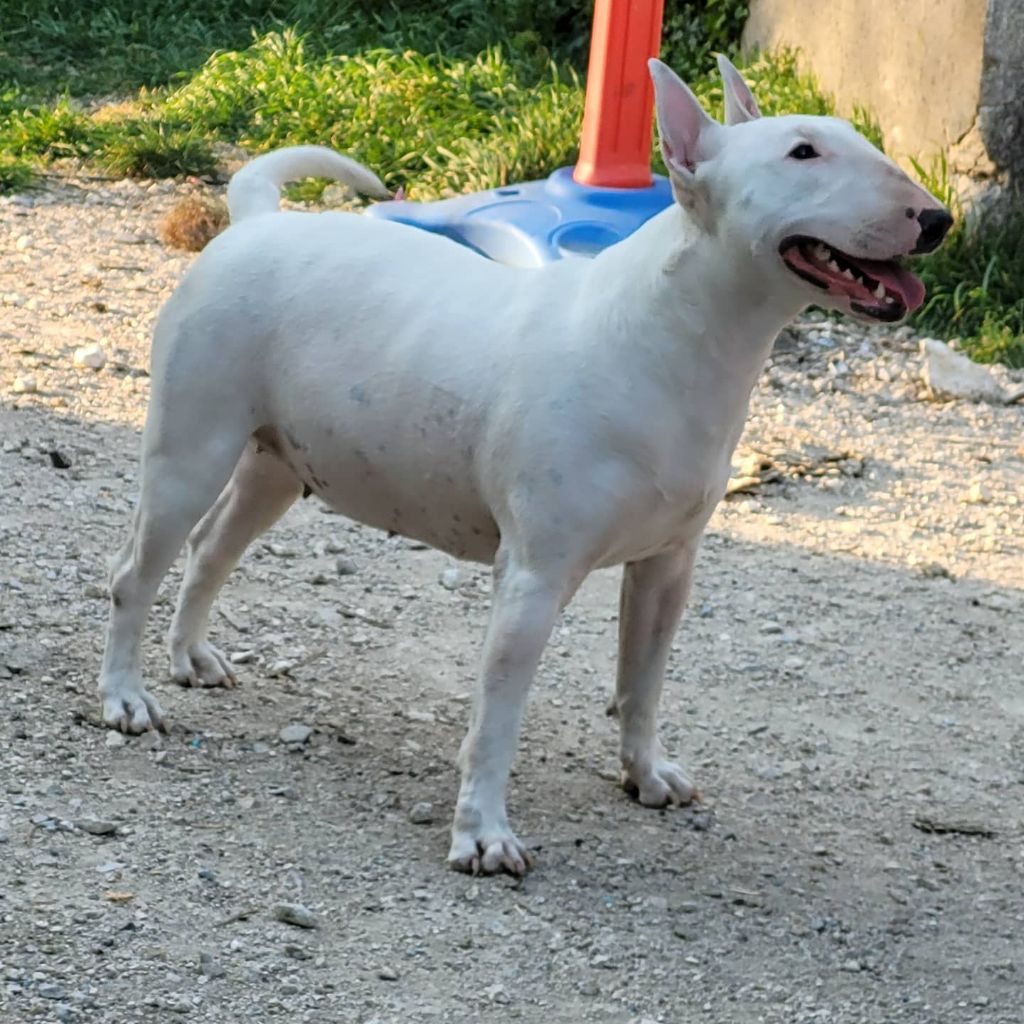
[[653, 594], [525, 606]]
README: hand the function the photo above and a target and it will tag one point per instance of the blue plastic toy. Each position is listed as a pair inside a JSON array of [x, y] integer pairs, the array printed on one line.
[[536, 222], [576, 211]]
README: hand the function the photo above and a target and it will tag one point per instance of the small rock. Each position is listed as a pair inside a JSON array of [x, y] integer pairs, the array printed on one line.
[[426, 717], [24, 242], [934, 571], [25, 384], [344, 566], [978, 494], [449, 579], [295, 914], [115, 739], [295, 734], [209, 967], [149, 741], [96, 826], [950, 374], [497, 994], [51, 990], [90, 357], [422, 813], [280, 551], [296, 952], [387, 974]]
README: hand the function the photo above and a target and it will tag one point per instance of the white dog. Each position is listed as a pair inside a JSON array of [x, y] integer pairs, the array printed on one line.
[[548, 421]]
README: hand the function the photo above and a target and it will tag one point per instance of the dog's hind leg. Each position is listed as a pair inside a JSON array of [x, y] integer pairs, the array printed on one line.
[[260, 491], [187, 459], [653, 594]]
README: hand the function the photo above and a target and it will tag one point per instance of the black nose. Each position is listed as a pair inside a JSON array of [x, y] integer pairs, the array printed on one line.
[[934, 225]]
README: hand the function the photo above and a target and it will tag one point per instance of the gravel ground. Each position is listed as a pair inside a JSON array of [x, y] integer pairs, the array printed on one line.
[[847, 690]]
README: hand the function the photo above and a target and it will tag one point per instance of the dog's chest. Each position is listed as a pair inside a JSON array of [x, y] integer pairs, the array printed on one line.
[[666, 517]]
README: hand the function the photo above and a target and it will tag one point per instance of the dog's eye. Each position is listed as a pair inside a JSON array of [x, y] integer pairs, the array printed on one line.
[[805, 151]]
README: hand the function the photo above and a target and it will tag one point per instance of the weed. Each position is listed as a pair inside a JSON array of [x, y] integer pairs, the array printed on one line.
[[193, 223], [16, 175], [140, 148], [974, 279]]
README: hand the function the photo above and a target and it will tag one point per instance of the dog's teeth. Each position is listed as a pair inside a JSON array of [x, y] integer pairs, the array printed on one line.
[[821, 252], [880, 291], [833, 266], [848, 274]]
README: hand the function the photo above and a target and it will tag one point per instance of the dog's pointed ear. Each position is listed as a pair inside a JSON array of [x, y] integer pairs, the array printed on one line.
[[683, 126], [687, 139], [740, 105]]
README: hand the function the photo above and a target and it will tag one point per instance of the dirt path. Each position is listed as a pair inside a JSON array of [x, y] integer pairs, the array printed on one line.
[[848, 683]]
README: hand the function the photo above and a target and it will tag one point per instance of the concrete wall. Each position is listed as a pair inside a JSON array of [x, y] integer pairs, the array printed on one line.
[[941, 76]]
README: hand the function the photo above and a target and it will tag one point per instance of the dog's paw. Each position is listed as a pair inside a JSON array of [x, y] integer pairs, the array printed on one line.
[[488, 852], [658, 783], [201, 665], [126, 706]]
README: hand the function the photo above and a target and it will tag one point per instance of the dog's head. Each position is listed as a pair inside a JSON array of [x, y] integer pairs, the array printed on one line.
[[809, 197]]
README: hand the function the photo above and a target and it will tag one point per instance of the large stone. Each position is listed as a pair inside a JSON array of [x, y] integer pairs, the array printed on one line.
[[942, 77], [950, 374]]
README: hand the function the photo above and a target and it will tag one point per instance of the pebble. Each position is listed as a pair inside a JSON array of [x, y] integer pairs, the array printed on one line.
[[25, 384], [24, 242], [90, 357], [209, 967], [150, 741], [934, 570], [281, 551], [421, 813], [449, 578], [51, 990], [115, 739], [344, 566], [96, 826], [978, 494], [295, 734], [295, 914], [387, 974]]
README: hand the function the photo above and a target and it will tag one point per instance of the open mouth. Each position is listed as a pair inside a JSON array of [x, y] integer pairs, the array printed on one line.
[[875, 289]]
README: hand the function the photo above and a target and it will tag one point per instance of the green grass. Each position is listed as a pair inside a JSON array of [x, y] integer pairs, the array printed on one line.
[[975, 281], [439, 98]]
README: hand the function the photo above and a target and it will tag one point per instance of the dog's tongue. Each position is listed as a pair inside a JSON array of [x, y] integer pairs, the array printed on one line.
[[896, 279]]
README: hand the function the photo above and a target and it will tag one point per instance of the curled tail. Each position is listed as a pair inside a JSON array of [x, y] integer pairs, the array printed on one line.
[[256, 188]]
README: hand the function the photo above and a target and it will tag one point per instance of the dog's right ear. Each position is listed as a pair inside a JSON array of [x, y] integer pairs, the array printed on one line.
[[687, 133], [683, 125], [740, 105]]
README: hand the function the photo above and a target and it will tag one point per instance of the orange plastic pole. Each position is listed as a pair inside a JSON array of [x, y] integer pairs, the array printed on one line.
[[615, 148]]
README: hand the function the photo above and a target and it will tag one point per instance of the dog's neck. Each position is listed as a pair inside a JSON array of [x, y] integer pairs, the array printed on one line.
[[694, 295]]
